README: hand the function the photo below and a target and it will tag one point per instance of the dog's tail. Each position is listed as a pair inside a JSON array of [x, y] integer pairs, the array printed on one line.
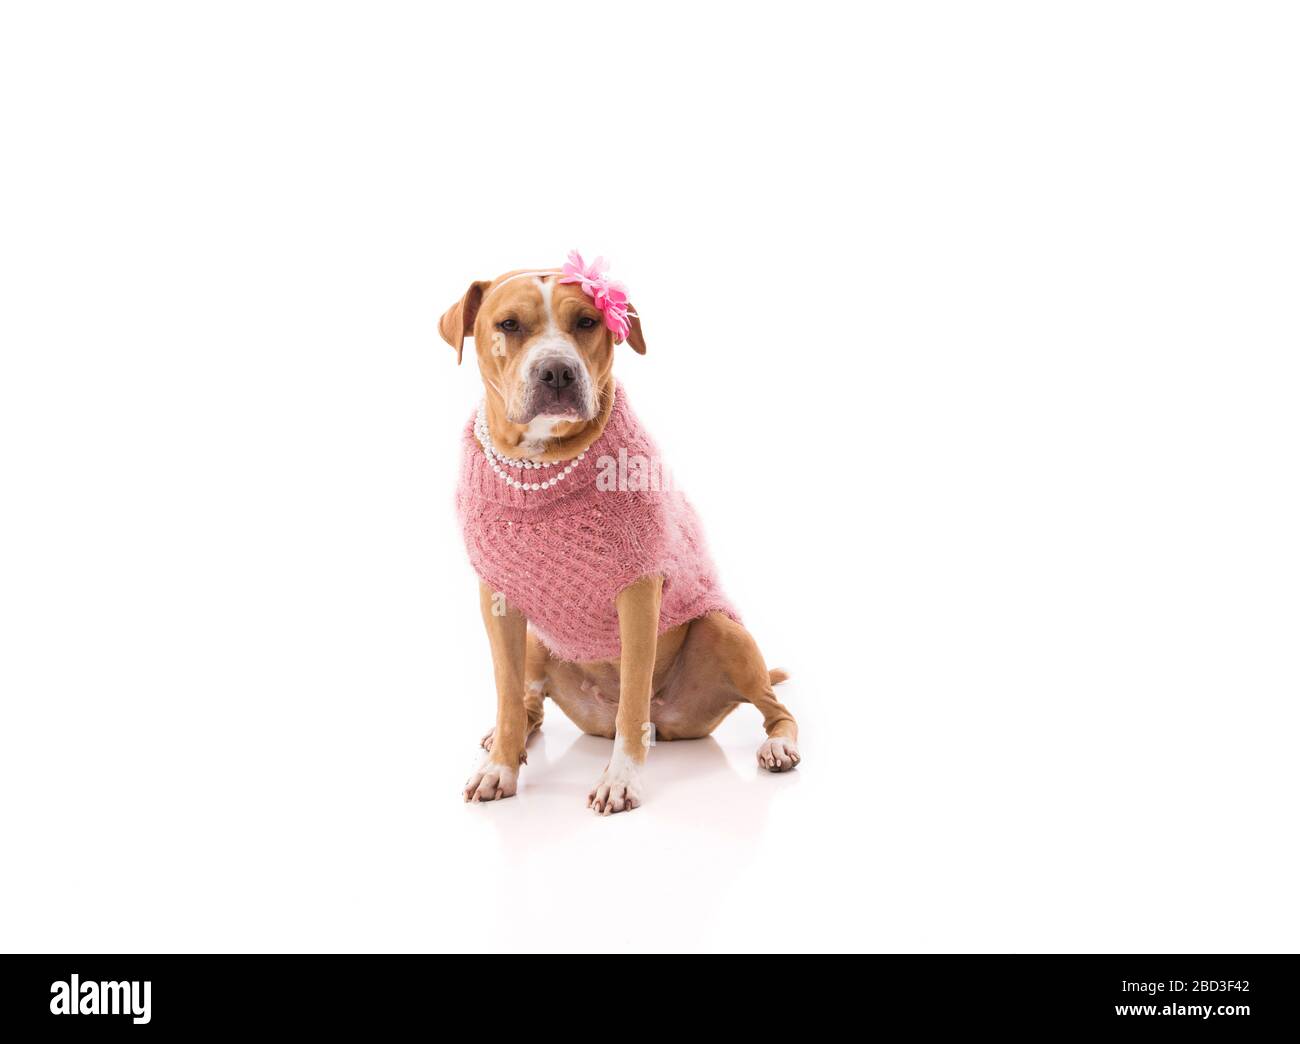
[[776, 676]]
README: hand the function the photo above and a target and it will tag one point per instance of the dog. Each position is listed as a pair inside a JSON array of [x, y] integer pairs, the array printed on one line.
[[595, 589]]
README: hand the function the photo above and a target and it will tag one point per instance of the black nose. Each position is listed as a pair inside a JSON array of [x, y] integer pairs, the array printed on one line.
[[555, 375]]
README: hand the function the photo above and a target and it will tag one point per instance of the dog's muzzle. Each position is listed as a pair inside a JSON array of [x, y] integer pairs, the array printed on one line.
[[556, 385]]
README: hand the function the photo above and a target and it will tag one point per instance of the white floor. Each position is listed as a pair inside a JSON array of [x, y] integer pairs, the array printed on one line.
[[337, 826]]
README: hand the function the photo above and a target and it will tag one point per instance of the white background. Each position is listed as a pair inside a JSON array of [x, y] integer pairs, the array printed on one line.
[[972, 334]]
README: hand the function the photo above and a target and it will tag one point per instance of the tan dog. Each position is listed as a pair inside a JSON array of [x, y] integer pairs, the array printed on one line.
[[546, 359]]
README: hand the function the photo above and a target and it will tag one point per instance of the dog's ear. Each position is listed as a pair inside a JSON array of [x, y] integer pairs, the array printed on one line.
[[634, 336], [457, 322]]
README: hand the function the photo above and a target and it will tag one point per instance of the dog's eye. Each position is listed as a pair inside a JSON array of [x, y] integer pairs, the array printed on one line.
[[508, 325], [586, 323]]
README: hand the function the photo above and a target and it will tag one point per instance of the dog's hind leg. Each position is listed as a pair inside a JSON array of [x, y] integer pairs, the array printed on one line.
[[720, 667], [754, 682], [781, 751], [536, 660]]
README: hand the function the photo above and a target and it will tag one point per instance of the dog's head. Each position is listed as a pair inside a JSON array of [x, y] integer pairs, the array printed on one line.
[[544, 349]]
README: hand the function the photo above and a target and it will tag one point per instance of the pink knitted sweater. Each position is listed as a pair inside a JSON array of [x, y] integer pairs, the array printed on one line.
[[561, 555]]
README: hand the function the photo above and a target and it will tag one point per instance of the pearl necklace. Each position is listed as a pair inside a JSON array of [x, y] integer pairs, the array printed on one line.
[[496, 459]]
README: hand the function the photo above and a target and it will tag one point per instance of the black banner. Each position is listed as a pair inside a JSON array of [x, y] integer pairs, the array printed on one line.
[[159, 996]]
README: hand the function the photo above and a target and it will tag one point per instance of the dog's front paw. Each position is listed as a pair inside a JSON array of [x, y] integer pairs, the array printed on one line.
[[491, 781], [778, 755], [618, 789]]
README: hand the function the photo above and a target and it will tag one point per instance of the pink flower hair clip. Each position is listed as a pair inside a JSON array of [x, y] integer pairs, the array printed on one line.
[[608, 295]]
